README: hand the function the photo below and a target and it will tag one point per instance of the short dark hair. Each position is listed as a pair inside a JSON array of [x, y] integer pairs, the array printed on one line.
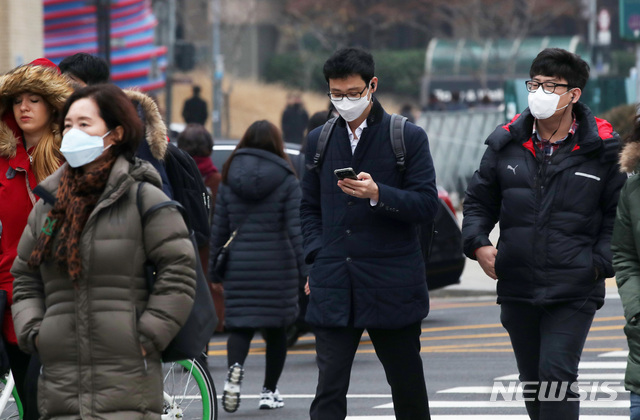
[[196, 90], [196, 140], [556, 62], [86, 67], [260, 135], [115, 109], [347, 62]]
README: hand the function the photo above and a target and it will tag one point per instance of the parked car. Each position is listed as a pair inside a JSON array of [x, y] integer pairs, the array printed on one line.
[[446, 259]]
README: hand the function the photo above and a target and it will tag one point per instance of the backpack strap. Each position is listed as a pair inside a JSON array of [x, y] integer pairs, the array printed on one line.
[[45, 195], [325, 134], [144, 216], [396, 134]]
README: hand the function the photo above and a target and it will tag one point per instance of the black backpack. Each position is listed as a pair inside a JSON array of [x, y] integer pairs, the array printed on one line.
[[189, 190], [426, 231]]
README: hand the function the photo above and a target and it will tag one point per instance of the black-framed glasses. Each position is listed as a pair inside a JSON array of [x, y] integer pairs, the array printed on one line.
[[547, 87], [352, 96]]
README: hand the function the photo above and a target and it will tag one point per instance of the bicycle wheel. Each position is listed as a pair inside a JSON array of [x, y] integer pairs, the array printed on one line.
[[189, 393], [13, 407]]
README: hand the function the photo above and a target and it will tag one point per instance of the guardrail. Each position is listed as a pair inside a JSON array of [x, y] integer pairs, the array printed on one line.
[[456, 139]]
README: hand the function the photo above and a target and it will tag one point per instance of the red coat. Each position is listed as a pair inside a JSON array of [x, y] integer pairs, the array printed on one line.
[[17, 179], [16, 202]]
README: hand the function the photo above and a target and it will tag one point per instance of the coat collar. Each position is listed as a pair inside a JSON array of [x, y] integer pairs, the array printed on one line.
[[122, 176], [589, 136]]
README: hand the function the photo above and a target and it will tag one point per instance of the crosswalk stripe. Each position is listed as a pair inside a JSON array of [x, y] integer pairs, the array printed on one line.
[[484, 417], [602, 365], [620, 353], [489, 389], [511, 404], [581, 376]]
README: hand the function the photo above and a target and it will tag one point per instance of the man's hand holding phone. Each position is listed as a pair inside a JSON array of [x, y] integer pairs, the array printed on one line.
[[362, 186]]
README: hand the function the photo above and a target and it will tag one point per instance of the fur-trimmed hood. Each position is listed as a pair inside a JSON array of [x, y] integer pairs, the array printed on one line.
[[43, 80], [630, 157], [154, 127]]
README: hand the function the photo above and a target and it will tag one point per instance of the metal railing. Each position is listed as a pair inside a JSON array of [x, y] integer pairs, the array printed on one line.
[[456, 139]]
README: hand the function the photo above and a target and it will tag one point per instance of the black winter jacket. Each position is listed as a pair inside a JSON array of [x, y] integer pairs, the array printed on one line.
[[556, 218], [266, 265], [367, 262]]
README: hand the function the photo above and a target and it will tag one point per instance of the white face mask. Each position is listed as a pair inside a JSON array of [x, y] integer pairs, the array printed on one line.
[[80, 148], [543, 105], [351, 110]]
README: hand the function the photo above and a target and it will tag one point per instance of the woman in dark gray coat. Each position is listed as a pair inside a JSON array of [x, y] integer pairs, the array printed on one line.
[[259, 200]]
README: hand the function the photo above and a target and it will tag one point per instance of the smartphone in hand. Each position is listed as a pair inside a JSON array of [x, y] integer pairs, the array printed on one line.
[[344, 173]]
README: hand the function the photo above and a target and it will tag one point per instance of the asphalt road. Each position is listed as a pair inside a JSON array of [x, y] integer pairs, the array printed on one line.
[[465, 350]]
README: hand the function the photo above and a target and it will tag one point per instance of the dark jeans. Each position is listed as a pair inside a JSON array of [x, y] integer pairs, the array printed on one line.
[[547, 342], [398, 351], [276, 338], [25, 369]]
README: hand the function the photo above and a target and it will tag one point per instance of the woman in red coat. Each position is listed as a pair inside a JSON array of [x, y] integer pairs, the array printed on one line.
[[30, 98]]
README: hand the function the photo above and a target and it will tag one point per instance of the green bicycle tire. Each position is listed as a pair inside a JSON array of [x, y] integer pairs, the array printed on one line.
[[16, 398], [204, 382]]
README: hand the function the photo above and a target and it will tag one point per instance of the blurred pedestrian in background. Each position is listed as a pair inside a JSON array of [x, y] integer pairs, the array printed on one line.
[[407, 111], [81, 298], [194, 110], [625, 244], [434, 104], [294, 119], [31, 98], [85, 69], [258, 202], [198, 142]]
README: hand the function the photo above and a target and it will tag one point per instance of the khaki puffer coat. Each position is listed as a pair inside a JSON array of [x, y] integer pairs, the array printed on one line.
[[625, 245], [90, 333]]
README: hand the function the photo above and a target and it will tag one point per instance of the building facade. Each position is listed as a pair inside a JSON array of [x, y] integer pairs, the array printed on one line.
[[21, 32]]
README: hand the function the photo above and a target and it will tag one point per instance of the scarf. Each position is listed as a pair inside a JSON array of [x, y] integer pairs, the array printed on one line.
[[205, 166], [77, 196]]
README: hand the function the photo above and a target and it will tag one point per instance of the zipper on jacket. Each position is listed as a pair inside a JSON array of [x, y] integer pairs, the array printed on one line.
[[29, 190]]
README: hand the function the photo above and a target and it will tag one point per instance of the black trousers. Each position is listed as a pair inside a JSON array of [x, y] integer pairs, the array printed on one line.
[[25, 369], [238, 345], [398, 351], [547, 342]]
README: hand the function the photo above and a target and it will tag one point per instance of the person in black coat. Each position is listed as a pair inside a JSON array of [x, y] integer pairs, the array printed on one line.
[[361, 237], [551, 179], [294, 119], [259, 201], [194, 110]]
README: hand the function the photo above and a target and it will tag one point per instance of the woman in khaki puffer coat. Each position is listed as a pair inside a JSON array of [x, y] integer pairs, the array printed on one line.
[[80, 295]]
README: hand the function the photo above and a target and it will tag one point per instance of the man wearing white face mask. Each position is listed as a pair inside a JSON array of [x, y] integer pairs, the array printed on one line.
[[551, 179], [360, 235]]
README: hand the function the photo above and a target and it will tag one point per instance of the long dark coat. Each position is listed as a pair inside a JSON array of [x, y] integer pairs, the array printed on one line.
[[261, 199], [367, 261]]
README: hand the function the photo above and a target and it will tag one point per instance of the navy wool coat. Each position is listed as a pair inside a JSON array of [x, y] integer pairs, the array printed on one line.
[[368, 269], [261, 199], [556, 216]]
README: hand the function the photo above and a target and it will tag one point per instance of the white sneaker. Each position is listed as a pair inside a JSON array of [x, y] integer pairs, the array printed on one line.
[[231, 395], [269, 399]]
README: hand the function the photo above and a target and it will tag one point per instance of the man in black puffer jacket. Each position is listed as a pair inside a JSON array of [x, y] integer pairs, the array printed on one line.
[[551, 178]]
